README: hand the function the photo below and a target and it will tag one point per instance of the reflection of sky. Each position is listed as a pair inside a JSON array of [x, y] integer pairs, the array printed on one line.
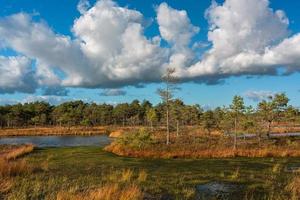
[[58, 141]]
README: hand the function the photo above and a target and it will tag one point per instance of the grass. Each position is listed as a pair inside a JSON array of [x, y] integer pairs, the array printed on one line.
[[11, 152], [122, 189], [85, 172], [8, 168], [294, 187], [106, 192], [141, 144]]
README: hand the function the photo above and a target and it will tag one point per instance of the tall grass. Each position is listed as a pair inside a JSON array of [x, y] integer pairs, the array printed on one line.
[[121, 186], [17, 151], [106, 192], [294, 188], [14, 168], [192, 146]]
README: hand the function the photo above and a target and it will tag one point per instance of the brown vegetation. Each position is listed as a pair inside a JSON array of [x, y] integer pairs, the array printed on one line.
[[13, 168], [121, 185], [106, 192], [294, 187], [203, 146], [9, 166], [11, 152]]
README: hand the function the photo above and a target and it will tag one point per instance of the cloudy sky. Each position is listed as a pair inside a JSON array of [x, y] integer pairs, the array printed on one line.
[[116, 51]]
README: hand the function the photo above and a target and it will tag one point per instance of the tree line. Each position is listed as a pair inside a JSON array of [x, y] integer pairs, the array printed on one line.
[[79, 113], [231, 119]]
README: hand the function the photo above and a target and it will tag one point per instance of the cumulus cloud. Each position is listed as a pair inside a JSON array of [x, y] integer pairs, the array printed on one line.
[[16, 75], [108, 47], [113, 92], [258, 95], [175, 26], [248, 38]]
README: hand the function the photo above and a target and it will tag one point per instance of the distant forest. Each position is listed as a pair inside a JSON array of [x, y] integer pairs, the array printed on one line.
[[79, 113]]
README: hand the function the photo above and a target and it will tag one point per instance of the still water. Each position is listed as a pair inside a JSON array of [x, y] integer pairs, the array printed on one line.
[[58, 141]]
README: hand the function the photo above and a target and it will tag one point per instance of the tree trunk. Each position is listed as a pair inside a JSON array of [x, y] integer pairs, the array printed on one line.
[[168, 128], [235, 134]]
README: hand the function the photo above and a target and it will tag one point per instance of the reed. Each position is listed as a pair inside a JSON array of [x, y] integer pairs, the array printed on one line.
[[17, 151], [205, 147], [14, 168]]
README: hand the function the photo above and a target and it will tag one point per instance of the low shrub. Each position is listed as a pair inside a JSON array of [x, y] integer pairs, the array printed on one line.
[[136, 139]]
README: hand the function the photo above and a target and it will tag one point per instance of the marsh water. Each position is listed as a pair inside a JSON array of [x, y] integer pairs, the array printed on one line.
[[58, 141]]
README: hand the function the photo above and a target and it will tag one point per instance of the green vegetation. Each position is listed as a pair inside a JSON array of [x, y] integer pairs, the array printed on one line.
[[72, 172], [272, 115]]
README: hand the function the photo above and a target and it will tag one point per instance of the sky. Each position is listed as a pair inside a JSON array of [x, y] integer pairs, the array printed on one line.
[[116, 51]]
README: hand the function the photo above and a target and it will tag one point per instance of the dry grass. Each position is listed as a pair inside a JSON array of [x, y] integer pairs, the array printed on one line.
[[294, 188], [142, 177], [14, 168], [120, 185], [15, 151], [127, 175], [106, 192], [207, 153], [5, 185], [208, 147], [9, 164]]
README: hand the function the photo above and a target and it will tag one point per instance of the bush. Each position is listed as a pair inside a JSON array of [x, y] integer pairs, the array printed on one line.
[[136, 139]]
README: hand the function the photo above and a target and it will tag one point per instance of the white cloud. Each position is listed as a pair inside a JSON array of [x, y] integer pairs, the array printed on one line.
[[246, 37], [175, 26], [16, 75], [258, 95], [108, 48]]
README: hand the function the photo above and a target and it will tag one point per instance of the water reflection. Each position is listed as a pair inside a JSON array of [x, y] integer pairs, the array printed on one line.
[[59, 141]]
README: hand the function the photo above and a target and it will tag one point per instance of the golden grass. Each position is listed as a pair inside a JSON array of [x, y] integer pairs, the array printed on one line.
[[121, 185], [126, 175], [107, 192], [16, 151], [5, 184], [142, 177], [208, 148], [9, 165], [208, 153], [294, 187], [13, 168]]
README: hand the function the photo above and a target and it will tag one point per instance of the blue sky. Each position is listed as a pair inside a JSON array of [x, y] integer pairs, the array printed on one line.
[[59, 16]]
